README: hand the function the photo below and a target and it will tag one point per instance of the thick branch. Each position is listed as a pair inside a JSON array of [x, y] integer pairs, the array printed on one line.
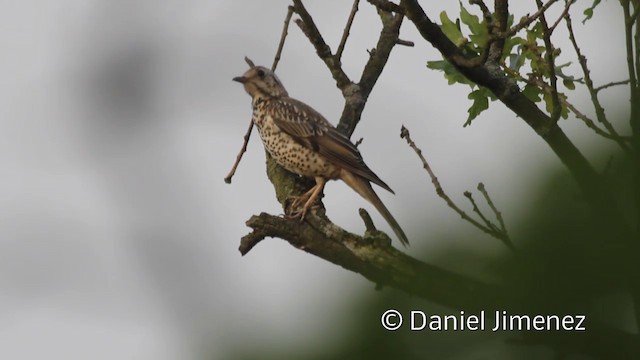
[[383, 265], [386, 266]]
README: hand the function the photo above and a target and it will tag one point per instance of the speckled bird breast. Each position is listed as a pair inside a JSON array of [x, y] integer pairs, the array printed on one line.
[[290, 154]]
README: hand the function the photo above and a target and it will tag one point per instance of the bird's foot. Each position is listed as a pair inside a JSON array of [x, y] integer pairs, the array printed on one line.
[[297, 212], [296, 201], [309, 199]]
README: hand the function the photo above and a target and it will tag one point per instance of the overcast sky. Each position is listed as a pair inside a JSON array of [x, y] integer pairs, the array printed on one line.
[[120, 121]]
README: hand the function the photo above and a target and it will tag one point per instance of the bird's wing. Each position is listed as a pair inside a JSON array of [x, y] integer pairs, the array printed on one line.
[[312, 130]]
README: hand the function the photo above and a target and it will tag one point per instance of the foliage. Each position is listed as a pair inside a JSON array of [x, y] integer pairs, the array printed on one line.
[[523, 53]]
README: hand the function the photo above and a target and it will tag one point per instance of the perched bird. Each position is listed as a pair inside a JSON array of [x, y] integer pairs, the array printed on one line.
[[305, 143]]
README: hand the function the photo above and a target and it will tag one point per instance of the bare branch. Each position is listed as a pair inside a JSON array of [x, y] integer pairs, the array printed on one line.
[[476, 209], [347, 28], [591, 125], [562, 15], [308, 27], [247, 135], [608, 85], [503, 228], [404, 133], [356, 95], [285, 31], [525, 21], [600, 116]]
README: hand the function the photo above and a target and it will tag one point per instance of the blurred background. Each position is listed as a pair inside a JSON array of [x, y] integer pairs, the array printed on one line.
[[119, 121]]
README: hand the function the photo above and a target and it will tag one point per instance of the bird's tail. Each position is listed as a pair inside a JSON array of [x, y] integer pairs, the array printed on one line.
[[363, 187]]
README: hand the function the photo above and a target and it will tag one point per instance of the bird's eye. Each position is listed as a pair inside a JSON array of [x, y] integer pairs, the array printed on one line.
[[261, 73]]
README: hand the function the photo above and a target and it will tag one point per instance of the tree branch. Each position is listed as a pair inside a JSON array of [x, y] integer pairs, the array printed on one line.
[[283, 37], [489, 228], [386, 5], [507, 91], [356, 97], [347, 28], [309, 28], [386, 266], [600, 115], [549, 58], [525, 21]]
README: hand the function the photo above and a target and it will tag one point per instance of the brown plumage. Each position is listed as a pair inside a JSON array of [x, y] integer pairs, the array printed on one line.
[[302, 141]]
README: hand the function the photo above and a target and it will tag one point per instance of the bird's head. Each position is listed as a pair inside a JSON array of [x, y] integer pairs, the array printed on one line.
[[259, 81]]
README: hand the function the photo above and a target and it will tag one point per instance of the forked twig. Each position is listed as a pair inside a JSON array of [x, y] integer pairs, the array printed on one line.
[[503, 228], [489, 228]]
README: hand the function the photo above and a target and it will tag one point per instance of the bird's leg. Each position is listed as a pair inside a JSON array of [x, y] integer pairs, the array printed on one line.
[[299, 200], [311, 196]]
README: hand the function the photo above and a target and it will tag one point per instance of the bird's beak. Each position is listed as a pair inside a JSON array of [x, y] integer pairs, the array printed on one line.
[[240, 79]]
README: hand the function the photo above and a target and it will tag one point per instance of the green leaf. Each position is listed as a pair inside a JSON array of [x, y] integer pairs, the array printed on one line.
[[479, 33], [588, 12], [480, 99], [569, 84], [532, 93], [450, 72], [451, 29], [467, 18]]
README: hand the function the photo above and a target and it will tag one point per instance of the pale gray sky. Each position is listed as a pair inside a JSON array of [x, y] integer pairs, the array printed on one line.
[[119, 122]]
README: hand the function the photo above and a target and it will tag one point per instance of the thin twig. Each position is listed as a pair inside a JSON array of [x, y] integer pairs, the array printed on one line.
[[527, 20], [592, 125], [404, 133], [227, 179], [563, 99], [476, 209], [347, 28], [285, 31], [600, 116], [613, 83], [503, 228], [562, 15]]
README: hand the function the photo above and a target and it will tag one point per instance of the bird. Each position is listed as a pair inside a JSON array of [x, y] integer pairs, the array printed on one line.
[[302, 141]]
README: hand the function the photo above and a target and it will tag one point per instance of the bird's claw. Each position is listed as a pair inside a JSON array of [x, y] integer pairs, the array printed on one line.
[[295, 212]]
